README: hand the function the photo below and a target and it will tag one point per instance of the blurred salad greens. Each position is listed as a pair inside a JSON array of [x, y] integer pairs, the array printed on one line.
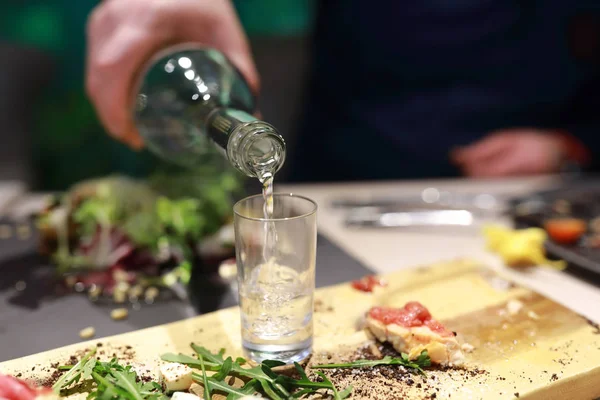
[[149, 228]]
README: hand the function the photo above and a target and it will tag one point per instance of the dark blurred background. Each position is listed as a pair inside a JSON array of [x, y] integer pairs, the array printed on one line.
[[50, 137]]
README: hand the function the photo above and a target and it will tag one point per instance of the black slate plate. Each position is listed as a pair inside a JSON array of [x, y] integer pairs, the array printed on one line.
[[35, 319]]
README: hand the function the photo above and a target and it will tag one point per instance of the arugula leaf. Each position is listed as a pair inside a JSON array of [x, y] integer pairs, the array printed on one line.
[[346, 392], [87, 369], [300, 371], [99, 210], [113, 381], [182, 216], [240, 360], [144, 229], [105, 390], [336, 395], [248, 389], [310, 386], [421, 362], [273, 363], [252, 373], [302, 392], [262, 377], [266, 387], [126, 380], [73, 374], [204, 379], [215, 359], [230, 390], [224, 371], [189, 361], [183, 272]]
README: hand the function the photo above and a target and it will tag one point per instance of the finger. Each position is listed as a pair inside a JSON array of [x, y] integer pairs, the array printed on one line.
[[235, 45], [113, 69], [487, 148], [496, 167], [134, 140], [225, 33]]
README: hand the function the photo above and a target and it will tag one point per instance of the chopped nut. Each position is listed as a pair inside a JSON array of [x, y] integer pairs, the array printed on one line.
[[87, 333], [533, 315], [119, 314], [467, 347], [514, 306], [94, 292], [375, 351], [24, 231], [5, 231], [151, 294], [119, 296], [120, 275], [70, 281], [122, 286], [136, 291]]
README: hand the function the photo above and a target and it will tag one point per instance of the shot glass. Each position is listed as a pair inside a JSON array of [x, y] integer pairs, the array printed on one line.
[[276, 276]]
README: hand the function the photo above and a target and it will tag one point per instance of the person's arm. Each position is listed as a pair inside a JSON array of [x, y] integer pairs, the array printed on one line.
[[530, 151], [123, 34]]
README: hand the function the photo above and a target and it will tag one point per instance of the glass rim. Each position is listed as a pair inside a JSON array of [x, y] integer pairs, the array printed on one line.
[[282, 194]]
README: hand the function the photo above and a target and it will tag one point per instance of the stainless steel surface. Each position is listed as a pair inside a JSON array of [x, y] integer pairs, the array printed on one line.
[[373, 217], [430, 198]]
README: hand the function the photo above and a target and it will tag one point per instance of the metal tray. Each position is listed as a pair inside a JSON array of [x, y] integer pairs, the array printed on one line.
[[579, 199]]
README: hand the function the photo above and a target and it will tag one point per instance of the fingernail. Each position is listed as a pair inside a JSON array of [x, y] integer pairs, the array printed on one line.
[[136, 142], [133, 139]]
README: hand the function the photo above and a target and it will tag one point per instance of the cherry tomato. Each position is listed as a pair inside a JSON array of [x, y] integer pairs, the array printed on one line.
[[367, 283], [565, 230]]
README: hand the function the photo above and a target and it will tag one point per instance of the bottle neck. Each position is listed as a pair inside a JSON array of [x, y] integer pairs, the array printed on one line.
[[254, 147]]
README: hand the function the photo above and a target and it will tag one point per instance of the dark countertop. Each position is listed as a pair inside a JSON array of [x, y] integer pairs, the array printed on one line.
[[35, 319]]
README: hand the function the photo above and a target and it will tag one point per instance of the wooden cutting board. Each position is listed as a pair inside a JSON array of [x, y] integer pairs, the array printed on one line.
[[542, 351]]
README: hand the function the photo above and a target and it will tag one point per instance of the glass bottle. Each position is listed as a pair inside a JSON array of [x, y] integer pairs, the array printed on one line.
[[190, 96]]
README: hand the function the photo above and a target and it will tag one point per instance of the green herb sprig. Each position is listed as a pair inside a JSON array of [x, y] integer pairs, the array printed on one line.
[[113, 381], [262, 378], [423, 361]]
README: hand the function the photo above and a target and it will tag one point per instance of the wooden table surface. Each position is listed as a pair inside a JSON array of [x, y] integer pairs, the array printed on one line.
[[539, 351]]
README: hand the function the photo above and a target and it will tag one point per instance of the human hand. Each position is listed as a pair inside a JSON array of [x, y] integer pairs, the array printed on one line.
[[123, 34], [512, 152]]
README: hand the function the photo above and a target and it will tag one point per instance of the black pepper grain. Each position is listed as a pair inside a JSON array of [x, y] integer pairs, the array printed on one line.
[[517, 395]]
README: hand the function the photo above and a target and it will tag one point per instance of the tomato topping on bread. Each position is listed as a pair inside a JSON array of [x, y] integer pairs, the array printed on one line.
[[411, 329]]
